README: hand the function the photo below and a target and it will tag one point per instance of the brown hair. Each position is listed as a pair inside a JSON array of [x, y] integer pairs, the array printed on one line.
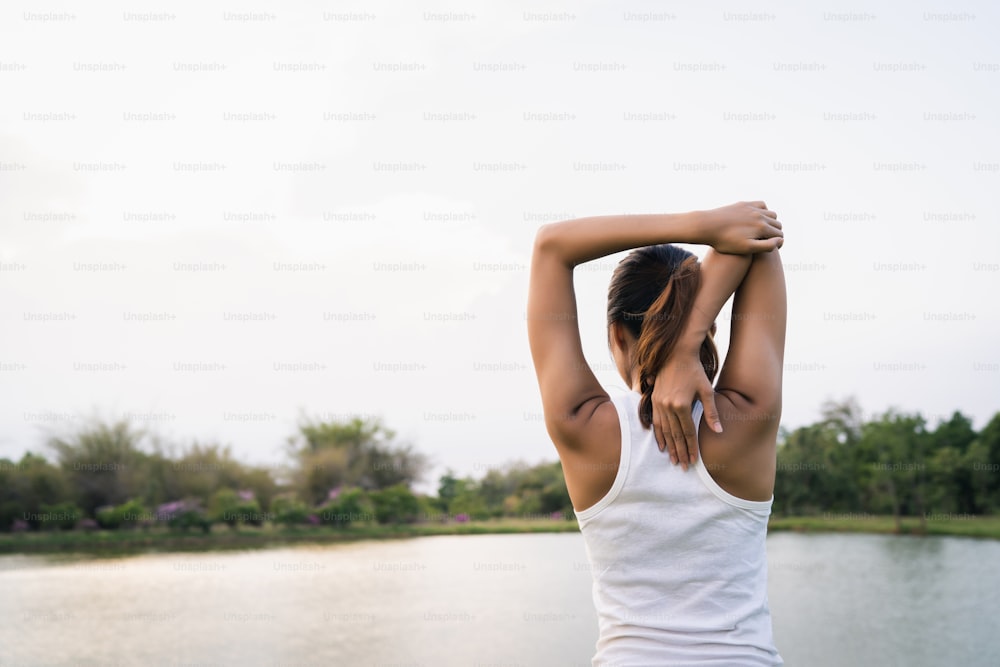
[[651, 293]]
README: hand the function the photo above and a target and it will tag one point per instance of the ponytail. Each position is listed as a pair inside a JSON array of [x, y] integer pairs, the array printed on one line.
[[652, 293]]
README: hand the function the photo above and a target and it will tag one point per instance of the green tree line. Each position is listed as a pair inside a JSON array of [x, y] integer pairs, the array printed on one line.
[[114, 476], [892, 464]]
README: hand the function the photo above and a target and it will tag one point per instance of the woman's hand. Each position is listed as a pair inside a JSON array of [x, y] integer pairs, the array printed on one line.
[[743, 228], [679, 382]]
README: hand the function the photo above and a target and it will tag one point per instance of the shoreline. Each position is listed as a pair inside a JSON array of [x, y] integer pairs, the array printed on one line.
[[949, 525], [125, 542]]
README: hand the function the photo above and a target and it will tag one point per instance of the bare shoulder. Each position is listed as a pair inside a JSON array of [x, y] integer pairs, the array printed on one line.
[[741, 459], [589, 446]]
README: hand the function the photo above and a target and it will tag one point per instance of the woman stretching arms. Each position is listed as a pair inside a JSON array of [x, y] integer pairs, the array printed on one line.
[[677, 555]]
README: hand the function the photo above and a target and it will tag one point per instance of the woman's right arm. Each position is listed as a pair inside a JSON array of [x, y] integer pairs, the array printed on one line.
[[749, 385], [752, 373], [748, 390], [724, 270]]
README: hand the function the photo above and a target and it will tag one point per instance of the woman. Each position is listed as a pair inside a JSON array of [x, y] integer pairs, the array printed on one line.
[[677, 555]]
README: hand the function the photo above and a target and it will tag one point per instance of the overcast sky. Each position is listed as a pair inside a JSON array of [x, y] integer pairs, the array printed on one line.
[[215, 220]]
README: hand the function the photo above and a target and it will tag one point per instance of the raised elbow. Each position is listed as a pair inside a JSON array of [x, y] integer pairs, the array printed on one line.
[[545, 238], [550, 242]]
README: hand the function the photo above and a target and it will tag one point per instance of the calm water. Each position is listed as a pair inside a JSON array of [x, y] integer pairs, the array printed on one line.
[[491, 600]]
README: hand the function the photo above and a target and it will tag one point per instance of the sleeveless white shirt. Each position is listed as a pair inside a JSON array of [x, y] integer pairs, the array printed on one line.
[[679, 565]]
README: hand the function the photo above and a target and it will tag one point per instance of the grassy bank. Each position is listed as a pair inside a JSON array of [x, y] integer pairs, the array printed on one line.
[[222, 538], [946, 524]]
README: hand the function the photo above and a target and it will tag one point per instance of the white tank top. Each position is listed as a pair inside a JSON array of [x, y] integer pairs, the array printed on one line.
[[679, 564]]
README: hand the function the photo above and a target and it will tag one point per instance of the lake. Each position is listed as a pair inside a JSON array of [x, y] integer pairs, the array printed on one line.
[[477, 600]]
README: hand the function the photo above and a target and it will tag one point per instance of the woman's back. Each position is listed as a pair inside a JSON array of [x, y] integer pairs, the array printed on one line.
[[678, 557], [679, 564]]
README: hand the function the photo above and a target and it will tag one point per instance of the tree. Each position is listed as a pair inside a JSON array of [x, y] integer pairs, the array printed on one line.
[[806, 477], [468, 500], [396, 504], [320, 472], [102, 463], [982, 475], [358, 452], [203, 469], [233, 508], [844, 418], [496, 485], [447, 489], [987, 471], [126, 515], [346, 507], [289, 510], [27, 486], [61, 516], [900, 470], [952, 483]]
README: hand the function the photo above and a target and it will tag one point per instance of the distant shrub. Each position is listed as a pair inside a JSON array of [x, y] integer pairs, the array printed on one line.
[[396, 504], [10, 511], [61, 516], [184, 515], [127, 515], [346, 507], [233, 508], [86, 524], [288, 510]]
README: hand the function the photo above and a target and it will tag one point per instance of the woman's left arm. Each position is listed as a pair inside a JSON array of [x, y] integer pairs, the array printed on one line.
[[570, 391]]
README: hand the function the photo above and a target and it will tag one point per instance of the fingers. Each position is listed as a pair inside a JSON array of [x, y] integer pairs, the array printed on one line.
[[766, 245], [677, 437], [768, 228], [690, 438], [676, 432], [772, 215], [764, 209], [664, 437], [771, 237], [672, 448], [658, 431], [711, 412]]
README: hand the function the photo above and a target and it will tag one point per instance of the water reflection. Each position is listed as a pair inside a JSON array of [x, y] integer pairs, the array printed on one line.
[[467, 600]]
